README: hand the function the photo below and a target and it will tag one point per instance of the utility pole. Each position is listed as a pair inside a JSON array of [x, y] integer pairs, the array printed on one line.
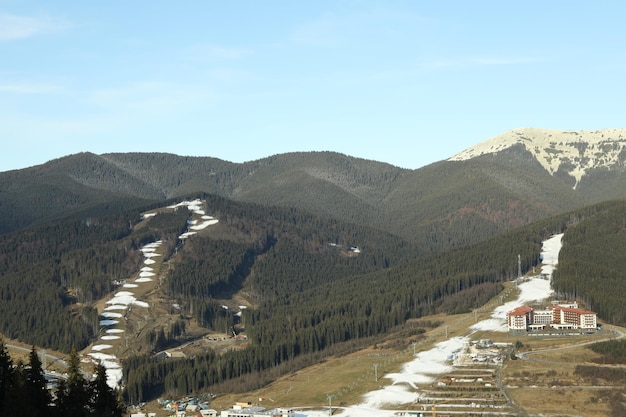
[[330, 406], [376, 372], [414, 343]]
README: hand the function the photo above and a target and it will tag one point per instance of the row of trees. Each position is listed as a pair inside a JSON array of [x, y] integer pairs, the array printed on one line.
[[24, 391]]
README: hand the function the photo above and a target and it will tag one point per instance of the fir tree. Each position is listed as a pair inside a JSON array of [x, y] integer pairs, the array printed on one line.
[[38, 395], [72, 394], [7, 379], [103, 400]]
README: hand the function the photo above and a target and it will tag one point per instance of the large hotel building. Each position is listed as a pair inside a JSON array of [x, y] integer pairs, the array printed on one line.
[[556, 316]]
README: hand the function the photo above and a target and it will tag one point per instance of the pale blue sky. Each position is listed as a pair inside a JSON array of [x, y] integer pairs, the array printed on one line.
[[403, 82]]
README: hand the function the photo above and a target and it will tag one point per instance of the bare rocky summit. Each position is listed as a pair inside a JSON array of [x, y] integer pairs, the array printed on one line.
[[576, 152]]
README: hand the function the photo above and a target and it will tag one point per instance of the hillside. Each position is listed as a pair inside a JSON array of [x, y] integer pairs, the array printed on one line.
[[510, 180], [325, 252]]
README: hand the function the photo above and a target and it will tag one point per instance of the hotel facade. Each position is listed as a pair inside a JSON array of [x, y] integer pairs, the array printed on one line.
[[560, 316]]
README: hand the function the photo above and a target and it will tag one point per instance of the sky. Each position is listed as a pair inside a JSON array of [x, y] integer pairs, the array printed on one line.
[[403, 82]]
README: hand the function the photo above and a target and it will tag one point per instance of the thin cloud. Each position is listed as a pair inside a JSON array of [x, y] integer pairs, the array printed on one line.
[[13, 27]]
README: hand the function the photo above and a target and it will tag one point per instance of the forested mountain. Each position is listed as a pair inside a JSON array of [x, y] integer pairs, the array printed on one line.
[[513, 179], [326, 251]]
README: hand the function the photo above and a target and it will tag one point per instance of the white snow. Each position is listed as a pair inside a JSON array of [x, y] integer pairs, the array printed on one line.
[[108, 322], [130, 286], [550, 254], [535, 289], [102, 356], [109, 337], [204, 224], [115, 307], [111, 315], [123, 298], [115, 331], [101, 347], [149, 261], [143, 280], [145, 274]]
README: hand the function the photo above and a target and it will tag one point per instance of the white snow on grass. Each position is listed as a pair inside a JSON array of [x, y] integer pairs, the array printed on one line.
[[107, 315], [99, 356], [121, 301], [550, 254], [116, 307], [101, 347], [204, 224], [535, 289], [123, 298], [195, 205]]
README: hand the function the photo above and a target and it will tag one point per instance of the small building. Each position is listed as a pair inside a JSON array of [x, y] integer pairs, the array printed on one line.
[[249, 410]]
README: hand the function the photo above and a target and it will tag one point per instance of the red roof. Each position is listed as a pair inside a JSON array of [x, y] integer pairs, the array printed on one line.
[[520, 311], [574, 310]]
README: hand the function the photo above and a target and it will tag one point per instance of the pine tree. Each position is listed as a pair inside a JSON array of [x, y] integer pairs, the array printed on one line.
[[7, 379], [103, 399], [72, 394], [38, 395]]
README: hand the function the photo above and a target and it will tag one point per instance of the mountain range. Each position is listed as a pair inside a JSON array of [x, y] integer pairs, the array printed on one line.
[[507, 181], [327, 252]]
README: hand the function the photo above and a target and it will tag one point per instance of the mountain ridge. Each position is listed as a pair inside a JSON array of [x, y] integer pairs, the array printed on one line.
[[577, 151], [492, 186]]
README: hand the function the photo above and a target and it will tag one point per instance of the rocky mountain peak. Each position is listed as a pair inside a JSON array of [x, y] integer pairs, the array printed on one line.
[[577, 152]]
